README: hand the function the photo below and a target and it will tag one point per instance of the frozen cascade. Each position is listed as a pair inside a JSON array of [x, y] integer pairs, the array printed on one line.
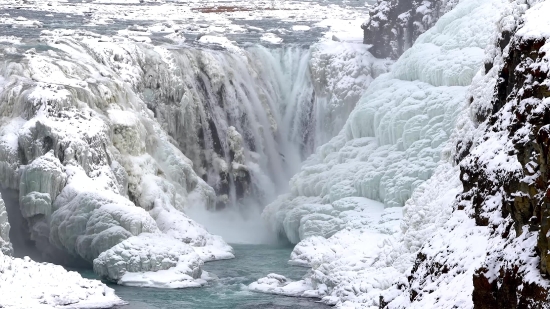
[[393, 139], [282, 103]]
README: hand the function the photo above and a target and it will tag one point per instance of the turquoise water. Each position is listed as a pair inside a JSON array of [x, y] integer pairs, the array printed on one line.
[[229, 291]]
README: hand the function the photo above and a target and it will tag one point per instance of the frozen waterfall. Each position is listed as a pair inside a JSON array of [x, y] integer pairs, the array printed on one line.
[[248, 119], [106, 146]]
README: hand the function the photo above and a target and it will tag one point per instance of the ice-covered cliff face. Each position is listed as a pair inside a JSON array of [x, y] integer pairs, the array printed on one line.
[[394, 25], [504, 173], [361, 252]]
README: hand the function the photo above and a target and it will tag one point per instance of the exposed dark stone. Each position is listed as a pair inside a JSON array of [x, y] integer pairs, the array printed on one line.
[[394, 25]]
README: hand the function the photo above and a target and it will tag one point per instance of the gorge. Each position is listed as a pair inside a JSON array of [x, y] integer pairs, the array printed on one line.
[[406, 172]]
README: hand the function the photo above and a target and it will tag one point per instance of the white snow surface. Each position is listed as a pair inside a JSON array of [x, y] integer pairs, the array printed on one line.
[[26, 284], [398, 148]]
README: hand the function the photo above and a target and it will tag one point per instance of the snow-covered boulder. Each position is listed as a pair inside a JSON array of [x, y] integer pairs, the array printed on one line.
[[147, 253]]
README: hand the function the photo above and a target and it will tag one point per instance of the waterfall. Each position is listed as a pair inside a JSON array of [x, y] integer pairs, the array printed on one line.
[[247, 120]]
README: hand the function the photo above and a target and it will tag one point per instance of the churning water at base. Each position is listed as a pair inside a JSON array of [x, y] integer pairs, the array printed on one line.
[[230, 290]]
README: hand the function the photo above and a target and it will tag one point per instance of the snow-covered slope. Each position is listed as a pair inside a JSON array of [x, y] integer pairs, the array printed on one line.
[[500, 217], [395, 148]]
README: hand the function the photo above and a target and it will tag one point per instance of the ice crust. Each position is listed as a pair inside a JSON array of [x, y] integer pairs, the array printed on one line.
[[398, 147]]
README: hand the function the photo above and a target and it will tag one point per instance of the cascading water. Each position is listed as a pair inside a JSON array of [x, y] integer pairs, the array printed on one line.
[[240, 118], [247, 120]]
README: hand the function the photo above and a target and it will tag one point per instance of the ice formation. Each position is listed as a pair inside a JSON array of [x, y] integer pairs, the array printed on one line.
[[92, 167], [394, 148], [94, 128], [393, 139]]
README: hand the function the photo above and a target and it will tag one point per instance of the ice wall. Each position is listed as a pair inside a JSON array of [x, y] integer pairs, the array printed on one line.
[[393, 139], [92, 167]]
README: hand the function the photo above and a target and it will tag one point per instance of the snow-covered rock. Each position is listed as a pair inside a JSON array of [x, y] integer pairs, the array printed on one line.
[[145, 254], [501, 254], [30, 285], [394, 25]]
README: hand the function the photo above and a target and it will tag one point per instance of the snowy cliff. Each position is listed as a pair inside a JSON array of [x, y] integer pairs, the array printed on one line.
[[500, 217], [363, 255], [475, 234]]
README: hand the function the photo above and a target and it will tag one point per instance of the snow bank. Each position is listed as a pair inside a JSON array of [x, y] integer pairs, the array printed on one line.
[[27, 285]]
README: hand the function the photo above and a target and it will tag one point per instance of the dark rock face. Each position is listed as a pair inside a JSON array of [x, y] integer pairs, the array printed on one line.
[[521, 88], [394, 25]]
